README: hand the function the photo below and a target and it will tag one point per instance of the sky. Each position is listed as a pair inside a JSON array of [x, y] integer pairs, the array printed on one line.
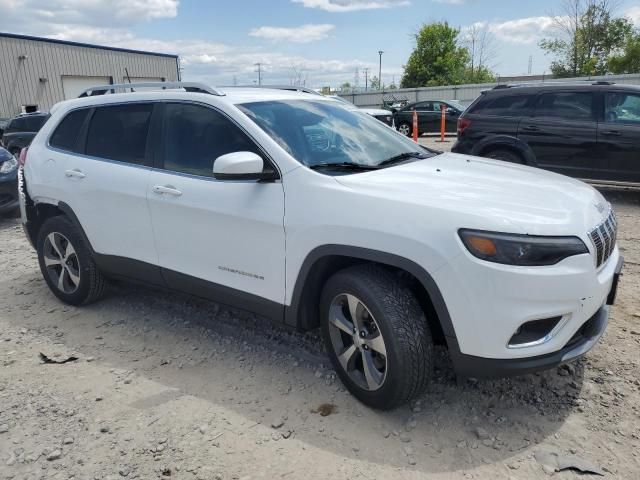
[[315, 42]]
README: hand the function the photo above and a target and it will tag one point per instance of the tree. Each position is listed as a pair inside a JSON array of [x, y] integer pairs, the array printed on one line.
[[345, 87], [437, 58], [374, 83], [480, 45], [628, 61], [587, 34]]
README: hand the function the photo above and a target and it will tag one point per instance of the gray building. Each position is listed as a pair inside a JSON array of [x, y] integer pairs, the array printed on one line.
[[36, 73]]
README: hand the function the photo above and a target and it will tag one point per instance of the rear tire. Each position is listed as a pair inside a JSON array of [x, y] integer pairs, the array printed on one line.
[[505, 155], [67, 264], [376, 335]]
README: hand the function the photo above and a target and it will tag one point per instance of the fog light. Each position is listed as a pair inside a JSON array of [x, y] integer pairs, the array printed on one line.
[[535, 332]]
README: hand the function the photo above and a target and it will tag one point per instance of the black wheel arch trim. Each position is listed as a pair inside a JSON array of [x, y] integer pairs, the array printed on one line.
[[292, 312], [505, 141], [68, 211]]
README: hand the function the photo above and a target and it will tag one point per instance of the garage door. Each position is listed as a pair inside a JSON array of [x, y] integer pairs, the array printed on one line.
[[73, 86]]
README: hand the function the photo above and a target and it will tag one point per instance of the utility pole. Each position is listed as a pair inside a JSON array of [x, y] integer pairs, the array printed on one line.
[[366, 78], [259, 65], [530, 64], [380, 52]]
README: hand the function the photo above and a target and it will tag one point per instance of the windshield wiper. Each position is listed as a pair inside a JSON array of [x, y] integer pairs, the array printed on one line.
[[402, 157], [343, 166]]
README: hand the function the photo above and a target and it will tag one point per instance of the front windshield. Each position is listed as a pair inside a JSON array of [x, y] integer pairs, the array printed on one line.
[[317, 132]]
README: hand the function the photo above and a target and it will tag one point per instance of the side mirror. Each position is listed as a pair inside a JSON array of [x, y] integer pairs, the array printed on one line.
[[241, 166]]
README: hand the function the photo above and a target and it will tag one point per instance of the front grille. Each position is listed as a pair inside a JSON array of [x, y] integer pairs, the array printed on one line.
[[603, 238]]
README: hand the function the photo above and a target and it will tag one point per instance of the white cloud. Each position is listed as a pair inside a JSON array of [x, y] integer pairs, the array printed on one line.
[[526, 30], [303, 34], [211, 62], [634, 14], [351, 5]]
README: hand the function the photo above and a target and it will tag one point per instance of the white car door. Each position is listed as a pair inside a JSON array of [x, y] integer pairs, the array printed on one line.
[[219, 239], [104, 180]]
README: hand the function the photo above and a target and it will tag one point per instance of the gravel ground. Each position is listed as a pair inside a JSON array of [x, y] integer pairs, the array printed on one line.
[[167, 386]]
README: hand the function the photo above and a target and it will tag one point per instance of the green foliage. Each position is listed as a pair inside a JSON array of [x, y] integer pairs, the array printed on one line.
[[479, 75], [374, 83], [628, 61], [437, 59], [588, 37]]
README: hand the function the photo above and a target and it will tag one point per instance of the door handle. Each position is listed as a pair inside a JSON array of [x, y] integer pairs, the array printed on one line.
[[612, 133], [167, 189], [75, 173], [531, 128]]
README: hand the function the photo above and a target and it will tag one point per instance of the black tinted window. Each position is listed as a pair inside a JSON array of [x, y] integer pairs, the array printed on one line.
[[65, 135], [119, 132], [566, 105], [16, 125], [622, 107], [35, 123], [505, 105], [195, 136]]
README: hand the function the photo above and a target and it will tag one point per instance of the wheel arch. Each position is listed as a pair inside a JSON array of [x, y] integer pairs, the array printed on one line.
[[506, 142], [324, 261]]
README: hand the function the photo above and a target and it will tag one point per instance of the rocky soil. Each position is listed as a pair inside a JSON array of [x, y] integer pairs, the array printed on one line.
[[170, 387]]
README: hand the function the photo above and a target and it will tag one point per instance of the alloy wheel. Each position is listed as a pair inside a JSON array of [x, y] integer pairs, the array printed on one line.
[[61, 262], [404, 129], [357, 342]]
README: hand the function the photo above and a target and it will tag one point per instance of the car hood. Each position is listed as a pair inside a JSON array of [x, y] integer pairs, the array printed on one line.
[[488, 194]]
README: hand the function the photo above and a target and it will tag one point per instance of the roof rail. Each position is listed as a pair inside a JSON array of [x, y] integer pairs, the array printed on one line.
[[187, 86], [603, 82], [551, 83], [292, 88]]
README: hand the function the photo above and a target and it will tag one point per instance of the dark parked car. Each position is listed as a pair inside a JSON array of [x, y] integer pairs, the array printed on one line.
[[20, 130], [588, 131], [429, 116], [8, 183]]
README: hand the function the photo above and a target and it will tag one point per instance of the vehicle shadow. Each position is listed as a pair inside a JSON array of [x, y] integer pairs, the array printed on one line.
[[7, 222], [244, 363]]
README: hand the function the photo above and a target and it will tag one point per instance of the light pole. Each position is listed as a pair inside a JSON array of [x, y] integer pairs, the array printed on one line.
[[380, 52], [259, 65], [366, 79]]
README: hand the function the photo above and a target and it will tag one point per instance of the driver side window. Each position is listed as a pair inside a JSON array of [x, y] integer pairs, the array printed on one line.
[[196, 135], [622, 107]]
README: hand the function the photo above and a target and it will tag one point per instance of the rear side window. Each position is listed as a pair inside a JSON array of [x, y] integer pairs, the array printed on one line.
[[119, 132], [16, 125], [35, 123], [566, 105], [508, 105], [65, 136], [195, 136]]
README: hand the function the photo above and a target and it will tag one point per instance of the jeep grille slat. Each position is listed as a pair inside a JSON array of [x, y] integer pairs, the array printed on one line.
[[603, 237]]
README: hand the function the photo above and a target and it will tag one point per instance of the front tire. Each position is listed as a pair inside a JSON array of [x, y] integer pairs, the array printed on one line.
[[376, 335], [405, 128], [66, 263]]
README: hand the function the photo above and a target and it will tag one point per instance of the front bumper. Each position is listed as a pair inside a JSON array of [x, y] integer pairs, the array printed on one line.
[[583, 340]]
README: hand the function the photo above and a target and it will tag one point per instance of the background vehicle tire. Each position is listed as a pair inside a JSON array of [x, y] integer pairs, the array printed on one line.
[[66, 263], [505, 155], [405, 128], [376, 335]]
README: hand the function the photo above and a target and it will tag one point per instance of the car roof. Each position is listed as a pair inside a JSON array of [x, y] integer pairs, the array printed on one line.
[[231, 95], [550, 86]]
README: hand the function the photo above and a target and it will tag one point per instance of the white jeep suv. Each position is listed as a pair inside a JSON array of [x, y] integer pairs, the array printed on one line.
[[289, 205]]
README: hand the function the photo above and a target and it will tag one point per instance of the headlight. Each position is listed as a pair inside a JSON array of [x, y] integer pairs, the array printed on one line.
[[9, 165], [523, 250]]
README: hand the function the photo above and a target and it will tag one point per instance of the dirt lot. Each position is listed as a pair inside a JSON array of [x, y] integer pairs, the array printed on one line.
[[171, 387]]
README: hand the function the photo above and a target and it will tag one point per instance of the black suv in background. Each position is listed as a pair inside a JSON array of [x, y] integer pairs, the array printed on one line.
[[20, 130], [429, 116], [588, 131]]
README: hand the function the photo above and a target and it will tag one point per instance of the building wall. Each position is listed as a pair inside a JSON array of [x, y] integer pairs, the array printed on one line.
[[465, 94], [37, 79]]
